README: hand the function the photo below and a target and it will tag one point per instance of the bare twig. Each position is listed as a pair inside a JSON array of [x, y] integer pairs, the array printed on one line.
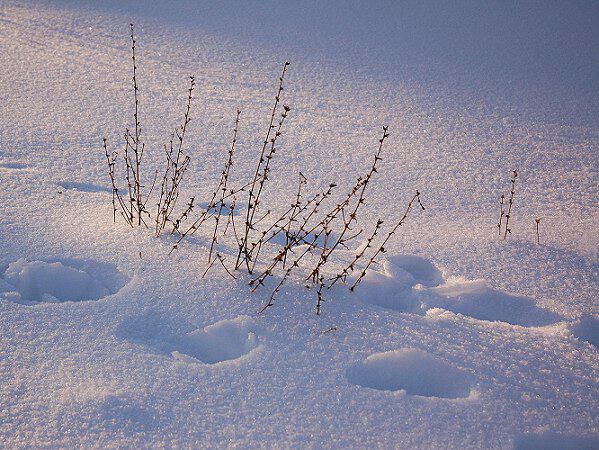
[[511, 201], [261, 174], [224, 179], [381, 249]]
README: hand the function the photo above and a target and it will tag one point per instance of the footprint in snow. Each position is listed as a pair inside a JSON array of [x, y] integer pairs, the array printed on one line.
[[555, 441], [33, 282], [222, 341], [586, 329], [413, 371], [413, 284], [13, 166], [83, 187], [478, 300], [225, 340], [396, 285]]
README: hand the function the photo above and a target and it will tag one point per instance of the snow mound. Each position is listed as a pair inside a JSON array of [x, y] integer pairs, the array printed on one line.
[[555, 441], [587, 329], [222, 341], [414, 371], [40, 281]]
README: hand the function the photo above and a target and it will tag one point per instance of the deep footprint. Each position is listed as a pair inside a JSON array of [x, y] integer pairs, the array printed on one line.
[[413, 284], [83, 187], [586, 329], [13, 165], [32, 282], [393, 286], [414, 371], [555, 441], [222, 341], [478, 300]]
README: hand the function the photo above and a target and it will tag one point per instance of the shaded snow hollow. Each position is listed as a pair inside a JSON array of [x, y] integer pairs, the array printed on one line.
[[41, 281], [409, 283], [413, 371], [222, 341]]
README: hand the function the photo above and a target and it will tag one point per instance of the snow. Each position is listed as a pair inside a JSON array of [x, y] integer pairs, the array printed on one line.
[[37, 281], [455, 339], [410, 370], [587, 329], [222, 341]]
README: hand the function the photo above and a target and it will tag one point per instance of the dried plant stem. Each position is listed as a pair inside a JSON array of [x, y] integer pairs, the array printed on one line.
[[260, 173], [347, 221], [111, 160], [319, 295], [317, 277], [501, 212], [223, 184], [511, 201], [298, 201], [381, 248], [287, 221], [184, 215], [230, 215], [176, 166], [537, 221], [351, 266], [301, 235], [138, 146], [210, 209], [315, 231]]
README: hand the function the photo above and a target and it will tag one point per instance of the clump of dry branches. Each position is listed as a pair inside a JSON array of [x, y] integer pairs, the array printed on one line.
[[302, 241], [132, 204]]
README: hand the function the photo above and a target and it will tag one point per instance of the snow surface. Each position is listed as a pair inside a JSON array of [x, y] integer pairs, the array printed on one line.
[[457, 340]]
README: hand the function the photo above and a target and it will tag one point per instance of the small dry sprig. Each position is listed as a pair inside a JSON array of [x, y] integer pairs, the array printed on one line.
[[137, 145], [511, 201], [316, 231], [381, 248], [261, 174], [221, 188], [352, 217], [300, 237], [116, 197], [348, 270], [225, 178], [295, 206], [501, 212], [317, 277], [292, 238], [177, 223], [537, 222], [134, 206], [176, 165]]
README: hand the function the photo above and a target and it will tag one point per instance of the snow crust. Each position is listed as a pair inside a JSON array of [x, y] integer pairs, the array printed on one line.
[[456, 339]]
